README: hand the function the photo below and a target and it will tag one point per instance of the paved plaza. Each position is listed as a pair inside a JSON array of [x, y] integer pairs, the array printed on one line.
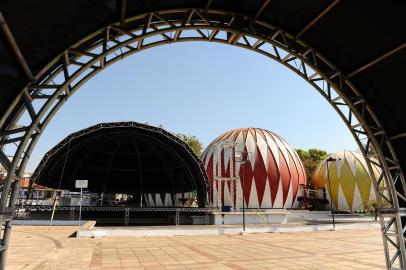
[[35, 247]]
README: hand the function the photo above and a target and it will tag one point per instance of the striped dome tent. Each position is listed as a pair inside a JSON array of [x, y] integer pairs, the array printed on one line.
[[351, 184], [272, 175]]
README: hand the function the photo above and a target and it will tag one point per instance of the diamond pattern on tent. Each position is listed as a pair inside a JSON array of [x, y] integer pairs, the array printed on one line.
[[251, 147], [267, 172], [285, 176], [294, 176], [364, 183], [162, 197], [262, 147], [273, 176], [320, 176], [153, 197], [248, 174], [347, 182], [333, 181], [350, 179], [260, 175]]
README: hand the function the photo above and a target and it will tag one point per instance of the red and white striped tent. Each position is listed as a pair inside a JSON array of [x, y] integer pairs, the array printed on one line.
[[272, 174]]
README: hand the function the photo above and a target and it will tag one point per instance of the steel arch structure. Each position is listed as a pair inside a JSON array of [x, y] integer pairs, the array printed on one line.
[[51, 87]]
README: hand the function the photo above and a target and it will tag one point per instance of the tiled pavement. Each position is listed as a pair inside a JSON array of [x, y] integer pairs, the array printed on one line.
[[38, 248]]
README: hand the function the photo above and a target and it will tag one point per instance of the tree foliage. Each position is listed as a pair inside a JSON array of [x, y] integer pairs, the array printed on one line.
[[311, 159], [193, 142]]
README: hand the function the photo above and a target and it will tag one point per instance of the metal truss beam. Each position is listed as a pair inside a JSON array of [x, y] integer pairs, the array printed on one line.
[[315, 20], [377, 60], [261, 8], [14, 46], [123, 7], [122, 209], [208, 4], [399, 136], [4, 161], [79, 63]]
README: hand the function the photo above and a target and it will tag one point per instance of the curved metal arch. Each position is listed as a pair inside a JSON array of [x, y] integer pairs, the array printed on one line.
[[66, 73]]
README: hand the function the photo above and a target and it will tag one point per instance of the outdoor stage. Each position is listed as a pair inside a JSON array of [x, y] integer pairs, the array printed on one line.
[[118, 215], [142, 216], [199, 230]]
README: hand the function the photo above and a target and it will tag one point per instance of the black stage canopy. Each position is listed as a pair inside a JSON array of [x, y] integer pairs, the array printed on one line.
[[364, 39], [124, 157]]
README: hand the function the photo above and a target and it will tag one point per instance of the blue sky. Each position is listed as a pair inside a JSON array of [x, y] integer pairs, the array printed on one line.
[[202, 89]]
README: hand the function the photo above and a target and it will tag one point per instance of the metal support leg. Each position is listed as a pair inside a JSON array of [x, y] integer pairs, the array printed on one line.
[[177, 217], [72, 213], [126, 216], [7, 221]]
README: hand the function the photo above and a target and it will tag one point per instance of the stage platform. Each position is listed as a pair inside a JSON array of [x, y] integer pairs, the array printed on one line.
[[142, 216], [271, 216], [198, 230]]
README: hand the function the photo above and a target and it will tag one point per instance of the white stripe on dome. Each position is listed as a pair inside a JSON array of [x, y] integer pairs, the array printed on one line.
[[294, 169], [208, 156], [234, 135], [240, 143], [282, 149], [340, 158], [227, 196], [296, 160], [289, 197], [273, 147], [239, 191], [151, 201], [158, 201], [352, 161], [278, 203], [251, 148], [342, 201], [227, 155], [145, 200], [222, 137], [360, 158], [266, 200], [168, 200], [357, 204], [177, 202], [253, 201], [263, 148]]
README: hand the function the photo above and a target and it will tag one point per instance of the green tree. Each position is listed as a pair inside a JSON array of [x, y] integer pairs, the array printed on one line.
[[311, 159], [193, 142]]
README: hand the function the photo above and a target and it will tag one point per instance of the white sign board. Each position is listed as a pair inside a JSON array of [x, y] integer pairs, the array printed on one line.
[[81, 184]]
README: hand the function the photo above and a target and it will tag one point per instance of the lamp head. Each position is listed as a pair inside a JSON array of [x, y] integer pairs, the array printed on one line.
[[331, 159]]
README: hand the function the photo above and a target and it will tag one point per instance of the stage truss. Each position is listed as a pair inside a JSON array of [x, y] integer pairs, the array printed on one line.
[[201, 188], [48, 91]]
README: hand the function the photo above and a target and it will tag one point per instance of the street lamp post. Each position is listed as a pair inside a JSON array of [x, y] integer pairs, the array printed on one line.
[[243, 160], [243, 198], [330, 159]]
